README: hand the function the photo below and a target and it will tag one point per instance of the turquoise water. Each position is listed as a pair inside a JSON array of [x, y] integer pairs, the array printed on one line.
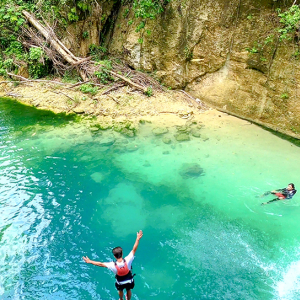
[[68, 191]]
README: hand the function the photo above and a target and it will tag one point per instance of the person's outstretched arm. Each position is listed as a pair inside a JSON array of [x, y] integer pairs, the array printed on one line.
[[136, 244], [96, 263]]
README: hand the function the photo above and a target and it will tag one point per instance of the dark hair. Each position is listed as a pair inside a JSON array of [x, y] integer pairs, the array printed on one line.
[[117, 252], [293, 186]]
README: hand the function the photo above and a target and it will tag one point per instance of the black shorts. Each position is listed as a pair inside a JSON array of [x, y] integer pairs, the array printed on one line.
[[127, 286]]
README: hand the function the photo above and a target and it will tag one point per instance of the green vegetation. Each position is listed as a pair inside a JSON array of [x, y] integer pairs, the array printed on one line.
[[14, 55], [97, 52], [290, 20], [89, 88], [252, 50], [284, 96], [85, 34], [188, 53], [149, 91], [103, 73], [144, 10], [288, 29]]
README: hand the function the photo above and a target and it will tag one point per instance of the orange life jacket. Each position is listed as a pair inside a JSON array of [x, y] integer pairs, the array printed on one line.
[[123, 273]]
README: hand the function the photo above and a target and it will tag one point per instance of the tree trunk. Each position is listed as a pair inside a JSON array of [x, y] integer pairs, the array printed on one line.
[[55, 43]]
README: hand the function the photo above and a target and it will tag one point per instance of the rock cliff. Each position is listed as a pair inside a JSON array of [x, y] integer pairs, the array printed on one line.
[[221, 52]]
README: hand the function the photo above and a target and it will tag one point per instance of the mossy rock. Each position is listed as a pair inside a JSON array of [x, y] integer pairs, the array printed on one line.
[[166, 140], [127, 128], [159, 131], [128, 132], [104, 126], [182, 137]]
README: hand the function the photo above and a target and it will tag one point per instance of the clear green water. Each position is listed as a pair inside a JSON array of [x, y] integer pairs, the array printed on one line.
[[63, 194]]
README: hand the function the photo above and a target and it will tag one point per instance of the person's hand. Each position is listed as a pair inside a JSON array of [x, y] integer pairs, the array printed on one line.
[[86, 259], [139, 235]]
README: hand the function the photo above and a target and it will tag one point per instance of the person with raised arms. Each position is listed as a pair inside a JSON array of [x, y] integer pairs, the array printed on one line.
[[121, 267]]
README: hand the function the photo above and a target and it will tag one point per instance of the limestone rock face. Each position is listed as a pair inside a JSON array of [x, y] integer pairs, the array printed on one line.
[[221, 52], [82, 34], [211, 49]]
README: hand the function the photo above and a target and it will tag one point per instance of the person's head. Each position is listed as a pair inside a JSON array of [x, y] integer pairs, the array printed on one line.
[[291, 186], [117, 252]]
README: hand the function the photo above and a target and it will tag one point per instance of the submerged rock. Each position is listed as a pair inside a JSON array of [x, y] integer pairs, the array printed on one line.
[[131, 147], [159, 131], [205, 138], [181, 137], [127, 132], [107, 141], [195, 132], [97, 177], [183, 128], [192, 170], [146, 164], [167, 140]]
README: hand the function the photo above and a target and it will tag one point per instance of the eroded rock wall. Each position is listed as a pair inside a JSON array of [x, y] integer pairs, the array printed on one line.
[[200, 46]]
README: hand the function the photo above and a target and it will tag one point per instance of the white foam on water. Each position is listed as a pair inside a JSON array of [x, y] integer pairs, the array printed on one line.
[[288, 288]]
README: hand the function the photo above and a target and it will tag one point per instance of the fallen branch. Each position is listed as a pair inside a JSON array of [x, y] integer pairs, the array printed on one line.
[[131, 83], [64, 95], [59, 54], [35, 80], [17, 81], [14, 95], [114, 99], [17, 76], [198, 101], [55, 43], [112, 89], [77, 84]]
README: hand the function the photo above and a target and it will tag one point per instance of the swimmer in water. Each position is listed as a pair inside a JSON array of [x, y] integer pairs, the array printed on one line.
[[282, 194]]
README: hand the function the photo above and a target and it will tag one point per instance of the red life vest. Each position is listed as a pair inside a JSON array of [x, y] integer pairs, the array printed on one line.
[[122, 271]]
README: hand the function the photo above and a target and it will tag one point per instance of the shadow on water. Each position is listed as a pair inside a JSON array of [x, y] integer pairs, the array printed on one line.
[[282, 136], [15, 114]]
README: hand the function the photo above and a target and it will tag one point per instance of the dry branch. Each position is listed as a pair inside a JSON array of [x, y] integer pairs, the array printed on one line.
[[58, 53], [34, 80], [63, 94], [137, 86], [112, 89], [55, 43]]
